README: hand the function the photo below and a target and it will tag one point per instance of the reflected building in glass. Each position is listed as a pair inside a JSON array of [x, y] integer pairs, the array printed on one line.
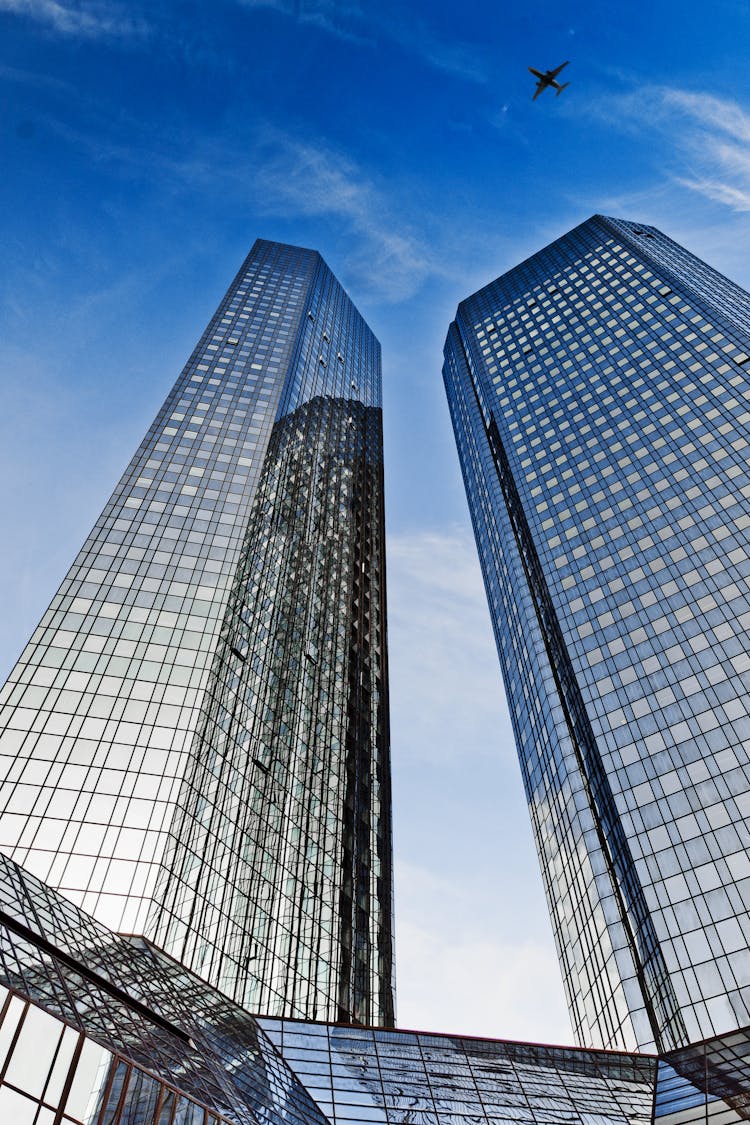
[[106, 1030], [600, 397], [101, 1029], [195, 740]]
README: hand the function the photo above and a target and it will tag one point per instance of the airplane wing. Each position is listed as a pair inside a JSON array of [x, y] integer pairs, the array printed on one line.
[[554, 73], [537, 92]]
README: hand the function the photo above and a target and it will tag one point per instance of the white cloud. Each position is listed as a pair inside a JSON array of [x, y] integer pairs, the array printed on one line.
[[296, 177], [458, 974], [721, 192], [88, 19], [466, 963], [446, 690], [474, 950], [379, 253], [343, 21], [718, 114], [703, 139], [715, 145]]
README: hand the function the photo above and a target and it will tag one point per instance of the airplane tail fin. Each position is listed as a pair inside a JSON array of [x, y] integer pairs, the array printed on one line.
[[561, 88]]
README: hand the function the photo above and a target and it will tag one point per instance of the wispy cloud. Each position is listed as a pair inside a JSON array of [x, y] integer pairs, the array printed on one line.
[[446, 693], [352, 22], [460, 970], [86, 19], [345, 21], [378, 249], [296, 177], [703, 139], [464, 962], [720, 115], [465, 60], [35, 78], [717, 145]]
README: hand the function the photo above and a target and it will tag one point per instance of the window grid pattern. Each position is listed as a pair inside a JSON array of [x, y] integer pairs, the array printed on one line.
[[614, 373], [705, 1082], [99, 1029], [50, 1073], [399, 1077], [99, 713], [136, 1004], [599, 965], [167, 669], [279, 888]]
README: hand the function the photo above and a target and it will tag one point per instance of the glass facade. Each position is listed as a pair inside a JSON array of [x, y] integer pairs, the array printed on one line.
[[600, 397], [106, 1030], [705, 1082], [411, 1078], [195, 741], [298, 714], [101, 1029]]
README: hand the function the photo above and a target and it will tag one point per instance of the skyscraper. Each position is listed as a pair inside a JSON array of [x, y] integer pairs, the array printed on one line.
[[600, 396], [272, 877], [195, 739]]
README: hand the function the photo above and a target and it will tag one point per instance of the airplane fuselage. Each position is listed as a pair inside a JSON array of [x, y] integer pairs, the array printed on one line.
[[548, 78]]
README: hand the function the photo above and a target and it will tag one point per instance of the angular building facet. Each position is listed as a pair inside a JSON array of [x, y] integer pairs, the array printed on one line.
[[101, 1029], [195, 742], [108, 1031], [600, 397]]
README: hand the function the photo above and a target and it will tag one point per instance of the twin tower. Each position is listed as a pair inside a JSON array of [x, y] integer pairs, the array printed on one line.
[[195, 741]]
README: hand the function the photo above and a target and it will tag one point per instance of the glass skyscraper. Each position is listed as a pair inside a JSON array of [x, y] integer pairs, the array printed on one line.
[[600, 397], [196, 737], [101, 1029], [195, 741]]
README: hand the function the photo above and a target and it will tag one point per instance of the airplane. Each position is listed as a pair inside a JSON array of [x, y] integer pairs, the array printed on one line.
[[548, 79]]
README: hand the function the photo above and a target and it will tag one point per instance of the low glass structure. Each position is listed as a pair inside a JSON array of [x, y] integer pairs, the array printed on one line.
[[128, 1030], [101, 1029], [400, 1077]]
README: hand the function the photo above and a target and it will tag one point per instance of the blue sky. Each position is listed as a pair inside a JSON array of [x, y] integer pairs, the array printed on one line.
[[145, 146]]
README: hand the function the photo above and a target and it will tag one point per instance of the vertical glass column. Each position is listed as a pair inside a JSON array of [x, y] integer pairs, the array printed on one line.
[[195, 740], [599, 394]]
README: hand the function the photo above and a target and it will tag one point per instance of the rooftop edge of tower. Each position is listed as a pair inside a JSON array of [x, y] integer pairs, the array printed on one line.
[[521, 269]]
